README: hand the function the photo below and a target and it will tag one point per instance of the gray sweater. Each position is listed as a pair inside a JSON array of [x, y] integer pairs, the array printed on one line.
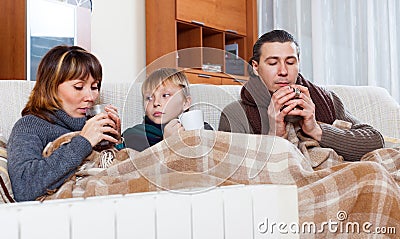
[[31, 174]]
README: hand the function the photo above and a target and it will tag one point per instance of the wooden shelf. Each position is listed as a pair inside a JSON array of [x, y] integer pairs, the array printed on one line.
[[189, 36], [199, 35], [213, 39]]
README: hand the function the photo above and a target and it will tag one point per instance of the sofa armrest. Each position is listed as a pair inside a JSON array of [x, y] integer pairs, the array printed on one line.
[[372, 105], [13, 97]]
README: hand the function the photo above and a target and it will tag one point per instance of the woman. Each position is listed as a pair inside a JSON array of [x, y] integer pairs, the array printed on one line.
[[68, 83]]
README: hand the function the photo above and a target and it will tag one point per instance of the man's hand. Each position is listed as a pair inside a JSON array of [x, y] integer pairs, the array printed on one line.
[[283, 102], [277, 112], [308, 123]]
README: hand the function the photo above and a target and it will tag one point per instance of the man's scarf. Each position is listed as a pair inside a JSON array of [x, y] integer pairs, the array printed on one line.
[[256, 98]]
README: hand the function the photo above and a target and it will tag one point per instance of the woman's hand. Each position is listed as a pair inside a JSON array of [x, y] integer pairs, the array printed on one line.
[[113, 114], [101, 126], [172, 127]]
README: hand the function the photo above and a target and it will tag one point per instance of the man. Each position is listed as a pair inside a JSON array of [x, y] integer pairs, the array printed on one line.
[[276, 91]]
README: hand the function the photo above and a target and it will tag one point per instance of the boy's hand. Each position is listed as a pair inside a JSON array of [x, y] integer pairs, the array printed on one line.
[[172, 127]]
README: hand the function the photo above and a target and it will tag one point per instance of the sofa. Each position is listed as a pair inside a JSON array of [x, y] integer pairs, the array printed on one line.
[[372, 105]]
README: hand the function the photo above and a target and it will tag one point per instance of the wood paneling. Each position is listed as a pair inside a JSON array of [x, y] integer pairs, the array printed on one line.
[[13, 39], [221, 14], [160, 28], [203, 11], [231, 15], [252, 28]]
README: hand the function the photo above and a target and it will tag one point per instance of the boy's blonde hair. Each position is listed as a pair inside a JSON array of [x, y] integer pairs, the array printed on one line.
[[163, 76]]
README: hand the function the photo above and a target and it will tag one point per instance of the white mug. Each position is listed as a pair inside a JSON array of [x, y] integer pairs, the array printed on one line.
[[192, 119]]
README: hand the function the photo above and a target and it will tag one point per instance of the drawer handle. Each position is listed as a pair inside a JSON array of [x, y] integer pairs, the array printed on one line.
[[231, 31], [240, 81], [197, 22], [204, 76]]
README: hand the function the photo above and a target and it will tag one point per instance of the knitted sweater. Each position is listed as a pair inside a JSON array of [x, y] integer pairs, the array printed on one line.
[[351, 144], [31, 174]]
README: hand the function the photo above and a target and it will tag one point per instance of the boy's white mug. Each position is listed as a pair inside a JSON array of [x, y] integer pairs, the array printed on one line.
[[192, 119]]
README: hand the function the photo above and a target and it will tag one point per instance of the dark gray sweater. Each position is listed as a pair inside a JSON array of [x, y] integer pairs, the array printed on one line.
[[31, 174]]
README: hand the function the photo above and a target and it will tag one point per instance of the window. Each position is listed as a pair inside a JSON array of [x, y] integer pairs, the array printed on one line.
[[55, 22]]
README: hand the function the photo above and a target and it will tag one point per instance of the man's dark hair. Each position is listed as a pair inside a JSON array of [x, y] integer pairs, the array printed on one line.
[[281, 36]]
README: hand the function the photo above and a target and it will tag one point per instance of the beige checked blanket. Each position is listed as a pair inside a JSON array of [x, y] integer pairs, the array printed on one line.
[[367, 191]]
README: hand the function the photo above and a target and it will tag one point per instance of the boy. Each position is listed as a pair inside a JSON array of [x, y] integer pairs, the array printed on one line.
[[166, 95]]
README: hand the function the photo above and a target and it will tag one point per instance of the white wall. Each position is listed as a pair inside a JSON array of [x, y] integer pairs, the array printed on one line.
[[119, 38]]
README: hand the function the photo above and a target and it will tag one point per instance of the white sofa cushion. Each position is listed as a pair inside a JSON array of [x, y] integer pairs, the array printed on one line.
[[372, 105], [13, 96]]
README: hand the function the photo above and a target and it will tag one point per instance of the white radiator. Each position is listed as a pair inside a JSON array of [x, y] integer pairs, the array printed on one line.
[[227, 212]]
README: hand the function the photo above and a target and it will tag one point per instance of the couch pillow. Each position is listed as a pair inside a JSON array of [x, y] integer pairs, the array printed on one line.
[[6, 194]]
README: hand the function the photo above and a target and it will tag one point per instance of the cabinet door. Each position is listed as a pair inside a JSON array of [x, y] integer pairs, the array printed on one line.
[[202, 12], [221, 14], [195, 78], [231, 15]]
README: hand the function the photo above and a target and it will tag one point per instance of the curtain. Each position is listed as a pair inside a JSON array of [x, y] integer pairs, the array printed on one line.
[[346, 42]]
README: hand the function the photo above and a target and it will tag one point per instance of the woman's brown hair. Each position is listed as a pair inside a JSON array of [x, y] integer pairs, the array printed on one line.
[[60, 64]]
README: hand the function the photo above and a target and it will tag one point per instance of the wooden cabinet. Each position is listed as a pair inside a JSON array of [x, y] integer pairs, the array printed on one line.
[[195, 34], [13, 40], [227, 15], [203, 78], [215, 78], [232, 15]]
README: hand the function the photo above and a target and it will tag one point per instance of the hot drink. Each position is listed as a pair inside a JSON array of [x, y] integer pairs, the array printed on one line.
[[293, 118], [94, 110]]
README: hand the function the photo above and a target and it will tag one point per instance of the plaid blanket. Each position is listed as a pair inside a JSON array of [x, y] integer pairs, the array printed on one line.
[[328, 188], [6, 193]]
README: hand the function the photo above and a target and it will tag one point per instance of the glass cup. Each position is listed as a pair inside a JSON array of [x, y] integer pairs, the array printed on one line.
[[94, 110]]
